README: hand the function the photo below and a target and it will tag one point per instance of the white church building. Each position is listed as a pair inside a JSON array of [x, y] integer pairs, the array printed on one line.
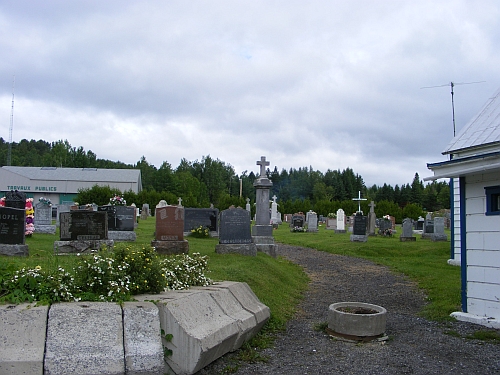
[[474, 166]]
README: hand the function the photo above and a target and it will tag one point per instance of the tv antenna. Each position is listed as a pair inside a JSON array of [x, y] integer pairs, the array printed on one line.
[[452, 85], [9, 151]]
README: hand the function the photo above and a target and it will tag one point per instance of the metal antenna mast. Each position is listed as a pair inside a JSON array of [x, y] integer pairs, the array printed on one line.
[[9, 152], [452, 84]]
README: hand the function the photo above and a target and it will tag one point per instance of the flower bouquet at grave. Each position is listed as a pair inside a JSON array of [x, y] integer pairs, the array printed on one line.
[[200, 232], [117, 201], [298, 229], [30, 227], [331, 215], [45, 201], [388, 231], [2, 202]]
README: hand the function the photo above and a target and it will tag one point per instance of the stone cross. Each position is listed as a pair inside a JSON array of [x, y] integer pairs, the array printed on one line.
[[180, 201], [274, 198], [248, 200], [359, 199], [263, 164], [372, 207]]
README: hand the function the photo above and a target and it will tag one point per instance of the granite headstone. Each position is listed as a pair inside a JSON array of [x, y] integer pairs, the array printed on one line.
[[206, 217]]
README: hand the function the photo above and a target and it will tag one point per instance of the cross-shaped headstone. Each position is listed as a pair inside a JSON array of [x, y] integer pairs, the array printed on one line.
[[248, 200], [359, 199], [263, 164], [180, 201], [372, 207], [274, 198]]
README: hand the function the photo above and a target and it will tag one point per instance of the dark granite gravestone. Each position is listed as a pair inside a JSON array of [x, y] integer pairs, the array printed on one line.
[[82, 225], [297, 221], [384, 226], [12, 224], [234, 226], [428, 229], [359, 227], [235, 233], [206, 217], [419, 224], [15, 199], [120, 218]]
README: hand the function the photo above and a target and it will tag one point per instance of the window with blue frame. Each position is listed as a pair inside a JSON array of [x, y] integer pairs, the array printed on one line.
[[492, 200]]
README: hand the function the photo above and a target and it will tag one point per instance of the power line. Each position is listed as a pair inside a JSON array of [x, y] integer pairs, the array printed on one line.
[[452, 85]]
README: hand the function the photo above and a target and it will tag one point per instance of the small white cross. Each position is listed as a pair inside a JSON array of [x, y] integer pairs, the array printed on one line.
[[359, 199]]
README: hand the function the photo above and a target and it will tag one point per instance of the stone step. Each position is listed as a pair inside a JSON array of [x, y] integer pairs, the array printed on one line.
[[182, 331]]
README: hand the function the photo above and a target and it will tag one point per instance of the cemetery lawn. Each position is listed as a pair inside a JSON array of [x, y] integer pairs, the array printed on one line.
[[423, 261], [278, 283]]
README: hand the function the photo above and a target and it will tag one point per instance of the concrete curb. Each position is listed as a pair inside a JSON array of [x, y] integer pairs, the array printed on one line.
[[181, 331]]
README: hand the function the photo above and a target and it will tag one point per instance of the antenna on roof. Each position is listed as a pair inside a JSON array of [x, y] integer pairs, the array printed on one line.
[[452, 84], [9, 152]]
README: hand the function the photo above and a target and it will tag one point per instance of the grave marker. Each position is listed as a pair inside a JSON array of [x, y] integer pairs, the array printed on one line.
[[340, 221], [359, 228], [235, 233], [372, 219], [262, 231], [121, 222], [439, 234], [12, 231], [43, 218], [169, 235], [312, 222], [82, 231], [206, 217], [407, 234]]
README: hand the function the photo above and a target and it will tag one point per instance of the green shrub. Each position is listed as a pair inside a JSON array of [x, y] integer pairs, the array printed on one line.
[[38, 285], [144, 269]]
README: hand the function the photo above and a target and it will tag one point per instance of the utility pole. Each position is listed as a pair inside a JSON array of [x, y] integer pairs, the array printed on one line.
[[9, 152]]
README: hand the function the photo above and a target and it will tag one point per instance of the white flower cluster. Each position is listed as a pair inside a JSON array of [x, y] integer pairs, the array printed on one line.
[[183, 271]]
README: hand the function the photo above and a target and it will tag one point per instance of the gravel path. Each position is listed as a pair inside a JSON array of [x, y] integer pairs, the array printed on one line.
[[416, 346]]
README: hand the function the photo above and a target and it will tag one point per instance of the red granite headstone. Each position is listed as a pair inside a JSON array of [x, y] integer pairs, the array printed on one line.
[[169, 223]]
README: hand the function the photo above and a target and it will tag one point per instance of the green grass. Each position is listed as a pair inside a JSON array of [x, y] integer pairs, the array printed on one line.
[[424, 261], [277, 283]]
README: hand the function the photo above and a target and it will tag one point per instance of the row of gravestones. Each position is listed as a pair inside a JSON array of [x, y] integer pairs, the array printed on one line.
[[233, 226]]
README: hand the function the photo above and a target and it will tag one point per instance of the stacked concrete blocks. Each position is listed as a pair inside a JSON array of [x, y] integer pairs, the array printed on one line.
[[22, 338]]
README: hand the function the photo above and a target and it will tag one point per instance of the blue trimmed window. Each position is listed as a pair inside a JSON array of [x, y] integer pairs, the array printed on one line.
[[492, 200]]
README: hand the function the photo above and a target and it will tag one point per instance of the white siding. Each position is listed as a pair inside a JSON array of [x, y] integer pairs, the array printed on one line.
[[483, 249], [456, 220]]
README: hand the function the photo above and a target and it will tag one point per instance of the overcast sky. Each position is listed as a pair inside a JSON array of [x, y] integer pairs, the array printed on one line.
[[327, 84]]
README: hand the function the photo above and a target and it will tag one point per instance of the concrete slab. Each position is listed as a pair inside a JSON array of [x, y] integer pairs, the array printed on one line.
[[247, 298], [84, 338], [229, 304], [142, 339], [201, 331], [14, 250], [22, 339]]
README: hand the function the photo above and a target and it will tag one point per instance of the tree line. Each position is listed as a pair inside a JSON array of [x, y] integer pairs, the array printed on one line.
[[211, 181]]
